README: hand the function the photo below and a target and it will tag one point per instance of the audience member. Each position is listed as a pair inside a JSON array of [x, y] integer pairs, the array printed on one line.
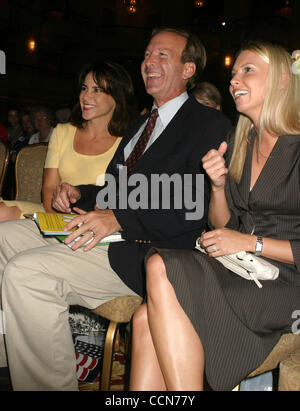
[[27, 124], [208, 95], [28, 130], [14, 126], [199, 315], [42, 278], [43, 120]]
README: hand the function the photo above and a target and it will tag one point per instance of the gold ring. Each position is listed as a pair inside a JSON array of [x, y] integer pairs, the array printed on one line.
[[94, 235]]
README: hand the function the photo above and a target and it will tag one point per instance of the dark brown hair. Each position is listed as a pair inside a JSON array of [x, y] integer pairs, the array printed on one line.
[[114, 80]]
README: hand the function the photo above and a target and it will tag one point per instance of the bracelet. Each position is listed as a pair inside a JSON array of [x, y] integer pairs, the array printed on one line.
[[258, 245]]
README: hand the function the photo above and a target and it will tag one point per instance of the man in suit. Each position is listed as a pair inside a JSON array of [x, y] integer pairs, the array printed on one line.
[[43, 277]]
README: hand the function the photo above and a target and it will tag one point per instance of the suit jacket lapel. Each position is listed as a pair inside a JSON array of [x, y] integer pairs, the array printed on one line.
[[172, 133]]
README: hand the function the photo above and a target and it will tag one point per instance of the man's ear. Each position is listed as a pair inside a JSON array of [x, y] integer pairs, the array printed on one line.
[[285, 79], [188, 70]]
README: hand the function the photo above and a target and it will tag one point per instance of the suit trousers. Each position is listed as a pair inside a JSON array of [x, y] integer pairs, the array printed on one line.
[[41, 279]]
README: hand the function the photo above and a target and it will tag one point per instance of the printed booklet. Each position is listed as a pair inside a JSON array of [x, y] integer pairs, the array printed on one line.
[[53, 224]]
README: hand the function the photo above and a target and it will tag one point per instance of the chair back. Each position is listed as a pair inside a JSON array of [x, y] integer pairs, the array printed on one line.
[[4, 158], [29, 171]]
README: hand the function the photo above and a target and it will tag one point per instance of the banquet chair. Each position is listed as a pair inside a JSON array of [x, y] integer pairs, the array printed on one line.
[[29, 170], [117, 311], [4, 158], [286, 355]]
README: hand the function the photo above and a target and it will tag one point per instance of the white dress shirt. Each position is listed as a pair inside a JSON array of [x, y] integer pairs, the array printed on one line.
[[35, 138], [165, 114]]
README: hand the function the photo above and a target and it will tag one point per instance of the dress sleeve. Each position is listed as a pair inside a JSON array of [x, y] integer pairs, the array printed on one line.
[[54, 147]]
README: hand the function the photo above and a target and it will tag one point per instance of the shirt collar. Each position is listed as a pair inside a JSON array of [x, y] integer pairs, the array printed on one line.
[[169, 109]]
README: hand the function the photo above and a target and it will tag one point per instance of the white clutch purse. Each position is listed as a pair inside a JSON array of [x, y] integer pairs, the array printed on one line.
[[247, 265]]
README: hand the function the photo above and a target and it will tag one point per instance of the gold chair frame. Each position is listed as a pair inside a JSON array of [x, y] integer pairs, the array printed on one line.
[[4, 156], [117, 311]]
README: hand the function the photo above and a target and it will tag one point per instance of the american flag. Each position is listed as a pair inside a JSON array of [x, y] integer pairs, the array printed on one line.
[[88, 361]]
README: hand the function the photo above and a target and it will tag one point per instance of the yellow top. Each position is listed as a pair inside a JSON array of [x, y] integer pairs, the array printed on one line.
[[75, 168]]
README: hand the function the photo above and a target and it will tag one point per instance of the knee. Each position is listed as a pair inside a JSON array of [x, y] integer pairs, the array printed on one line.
[[156, 275]]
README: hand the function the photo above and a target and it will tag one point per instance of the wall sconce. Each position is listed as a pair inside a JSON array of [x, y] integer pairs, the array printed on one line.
[[199, 3], [227, 61], [31, 45], [132, 5]]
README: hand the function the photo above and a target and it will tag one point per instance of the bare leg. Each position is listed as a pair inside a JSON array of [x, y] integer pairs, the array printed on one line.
[[145, 373], [178, 347], [9, 213]]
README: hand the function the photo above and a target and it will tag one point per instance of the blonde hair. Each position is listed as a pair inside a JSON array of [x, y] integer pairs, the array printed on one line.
[[280, 111]]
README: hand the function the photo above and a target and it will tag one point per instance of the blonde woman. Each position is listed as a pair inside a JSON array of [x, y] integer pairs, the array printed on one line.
[[80, 151], [201, 317]]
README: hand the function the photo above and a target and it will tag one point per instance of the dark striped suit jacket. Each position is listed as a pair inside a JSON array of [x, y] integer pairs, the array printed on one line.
[[272, 207]]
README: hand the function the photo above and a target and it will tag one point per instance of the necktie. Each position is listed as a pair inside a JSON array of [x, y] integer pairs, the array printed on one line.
[[142, 141]]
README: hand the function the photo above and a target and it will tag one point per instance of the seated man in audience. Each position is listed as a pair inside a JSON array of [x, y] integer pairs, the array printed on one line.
[[44, 121], [42, 278]]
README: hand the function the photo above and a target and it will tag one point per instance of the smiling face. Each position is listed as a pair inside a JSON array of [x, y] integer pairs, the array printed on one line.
[[164, 75], [94, 102], [248, 85]]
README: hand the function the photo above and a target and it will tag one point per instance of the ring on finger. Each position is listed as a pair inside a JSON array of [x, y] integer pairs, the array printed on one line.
[[214, 248], [93, 233]]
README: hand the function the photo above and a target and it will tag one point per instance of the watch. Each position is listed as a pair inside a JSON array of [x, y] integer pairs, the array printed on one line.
[[258, 245]]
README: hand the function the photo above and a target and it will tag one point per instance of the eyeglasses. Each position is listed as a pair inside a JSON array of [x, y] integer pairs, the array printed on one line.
[[41, 118]]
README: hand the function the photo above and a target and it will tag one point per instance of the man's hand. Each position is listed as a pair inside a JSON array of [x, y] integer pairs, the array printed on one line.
[[92, 227], [63, 196]]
